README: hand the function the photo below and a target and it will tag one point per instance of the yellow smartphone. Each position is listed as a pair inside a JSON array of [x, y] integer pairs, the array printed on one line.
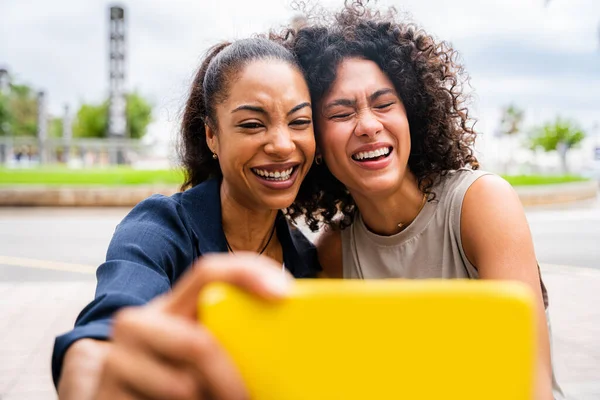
[[379, 339]]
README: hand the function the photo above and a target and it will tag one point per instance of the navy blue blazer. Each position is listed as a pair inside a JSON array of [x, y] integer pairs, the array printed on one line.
[[154, 245]]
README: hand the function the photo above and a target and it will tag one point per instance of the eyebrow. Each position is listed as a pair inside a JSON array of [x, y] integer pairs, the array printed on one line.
[[380, 93], [298, 107], [249, 108], [261, 110], [350, 103], [341, 102]]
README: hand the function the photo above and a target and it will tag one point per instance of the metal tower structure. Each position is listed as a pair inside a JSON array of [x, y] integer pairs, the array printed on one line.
[[117, 122]]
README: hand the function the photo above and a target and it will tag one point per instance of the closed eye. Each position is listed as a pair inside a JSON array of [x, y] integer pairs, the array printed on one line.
[[341, 116], [250, 125], [301, 122], [384, 106]]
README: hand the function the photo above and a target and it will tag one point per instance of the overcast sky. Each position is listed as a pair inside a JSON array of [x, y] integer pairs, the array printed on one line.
[[544, 59]]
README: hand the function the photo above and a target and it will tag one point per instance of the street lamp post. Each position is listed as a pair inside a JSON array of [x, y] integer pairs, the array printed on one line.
[[67, 134], [42, 127]]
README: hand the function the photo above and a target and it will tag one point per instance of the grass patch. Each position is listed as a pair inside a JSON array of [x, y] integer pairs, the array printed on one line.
[[95, 176], [127, 176], [531, 180]]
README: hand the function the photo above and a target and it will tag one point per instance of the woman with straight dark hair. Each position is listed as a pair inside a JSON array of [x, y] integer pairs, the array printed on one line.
[[247, 143]]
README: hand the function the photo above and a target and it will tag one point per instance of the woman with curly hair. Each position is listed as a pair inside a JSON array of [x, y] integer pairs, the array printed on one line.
[[396, 182]]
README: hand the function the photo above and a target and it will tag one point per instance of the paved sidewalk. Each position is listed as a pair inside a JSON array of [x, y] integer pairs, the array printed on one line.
[[32, 313]]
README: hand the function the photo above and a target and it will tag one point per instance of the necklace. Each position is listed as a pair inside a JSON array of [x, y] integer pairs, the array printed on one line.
[[263, 249], [404, 225]]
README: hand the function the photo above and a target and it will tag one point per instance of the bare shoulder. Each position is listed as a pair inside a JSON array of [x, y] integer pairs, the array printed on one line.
[[329, 249], [491, 196], [493, 221]]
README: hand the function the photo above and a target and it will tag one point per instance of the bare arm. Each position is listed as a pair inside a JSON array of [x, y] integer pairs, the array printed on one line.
[[329, 250], [497, 241], [82, 367]]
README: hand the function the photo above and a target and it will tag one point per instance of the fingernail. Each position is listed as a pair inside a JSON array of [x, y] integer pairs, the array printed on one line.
[[278, 284]]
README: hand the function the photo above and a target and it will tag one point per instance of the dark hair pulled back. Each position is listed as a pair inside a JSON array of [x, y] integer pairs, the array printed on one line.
[[210, 87]]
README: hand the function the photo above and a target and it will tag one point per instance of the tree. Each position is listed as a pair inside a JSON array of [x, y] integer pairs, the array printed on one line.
[[22, 110], [55, 127], [560, 135], [512, 120], [5, 116], [92, 119], [511, 123], [139, 115]]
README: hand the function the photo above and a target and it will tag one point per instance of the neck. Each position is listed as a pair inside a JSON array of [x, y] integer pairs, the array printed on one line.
[[246, 229], [382, 213]]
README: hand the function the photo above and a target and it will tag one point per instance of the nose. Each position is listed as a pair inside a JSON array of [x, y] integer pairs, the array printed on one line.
[[280, 143], [368, 124]]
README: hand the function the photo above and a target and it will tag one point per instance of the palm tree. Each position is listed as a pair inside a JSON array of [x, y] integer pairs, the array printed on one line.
[[511, 123]]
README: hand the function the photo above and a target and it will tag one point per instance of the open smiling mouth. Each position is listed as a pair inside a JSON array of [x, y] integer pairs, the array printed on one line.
[[374, 155], [275, 175]]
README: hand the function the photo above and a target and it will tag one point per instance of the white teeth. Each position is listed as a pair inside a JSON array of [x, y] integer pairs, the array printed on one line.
[[371, 154], [276, 176]]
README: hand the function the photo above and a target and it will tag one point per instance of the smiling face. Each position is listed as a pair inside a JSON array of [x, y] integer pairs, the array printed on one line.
[[363, 130], [265, 141]]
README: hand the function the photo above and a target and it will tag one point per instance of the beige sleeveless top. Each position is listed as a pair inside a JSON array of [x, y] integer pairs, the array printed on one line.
[[430, 247]]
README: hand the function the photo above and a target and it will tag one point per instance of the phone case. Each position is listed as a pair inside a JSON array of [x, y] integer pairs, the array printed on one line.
[[379, 339]]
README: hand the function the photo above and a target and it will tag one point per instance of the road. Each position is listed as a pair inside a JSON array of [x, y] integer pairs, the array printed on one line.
[[78, 238], [567, 235]]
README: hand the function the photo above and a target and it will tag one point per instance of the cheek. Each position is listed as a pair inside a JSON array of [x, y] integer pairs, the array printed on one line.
[[398, 126], [333, 138], [307, 144], [236, 152]]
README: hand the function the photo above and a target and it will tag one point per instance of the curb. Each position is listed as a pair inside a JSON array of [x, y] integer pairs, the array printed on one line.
[[129, 196], [86, 196], [562, 193]]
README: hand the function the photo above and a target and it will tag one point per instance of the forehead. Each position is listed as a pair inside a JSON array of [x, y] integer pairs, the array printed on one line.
[[265, 81], [356, 76]]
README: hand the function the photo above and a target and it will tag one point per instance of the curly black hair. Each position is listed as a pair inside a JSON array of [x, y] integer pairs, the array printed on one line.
[[209, 88], [426, 75]]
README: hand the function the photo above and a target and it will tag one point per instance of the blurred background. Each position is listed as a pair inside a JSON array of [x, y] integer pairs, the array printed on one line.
[[90, 100], [534, 64]]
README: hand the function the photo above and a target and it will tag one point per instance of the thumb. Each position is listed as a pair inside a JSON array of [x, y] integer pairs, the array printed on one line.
[[258, 275]]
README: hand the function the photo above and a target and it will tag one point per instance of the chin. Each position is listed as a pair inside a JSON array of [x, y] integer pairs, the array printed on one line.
[[378, 186], [279, 202]]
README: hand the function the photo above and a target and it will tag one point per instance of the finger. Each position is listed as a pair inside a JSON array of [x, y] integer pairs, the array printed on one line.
[[184, 344], [144, 376], [221, 376], [166, 336], [258, 275], [113, 394]]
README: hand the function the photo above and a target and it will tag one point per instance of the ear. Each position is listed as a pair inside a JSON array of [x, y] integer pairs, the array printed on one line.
[[211, 139]]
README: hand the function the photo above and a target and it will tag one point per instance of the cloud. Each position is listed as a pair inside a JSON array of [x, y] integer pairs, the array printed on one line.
[[546, 58]]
